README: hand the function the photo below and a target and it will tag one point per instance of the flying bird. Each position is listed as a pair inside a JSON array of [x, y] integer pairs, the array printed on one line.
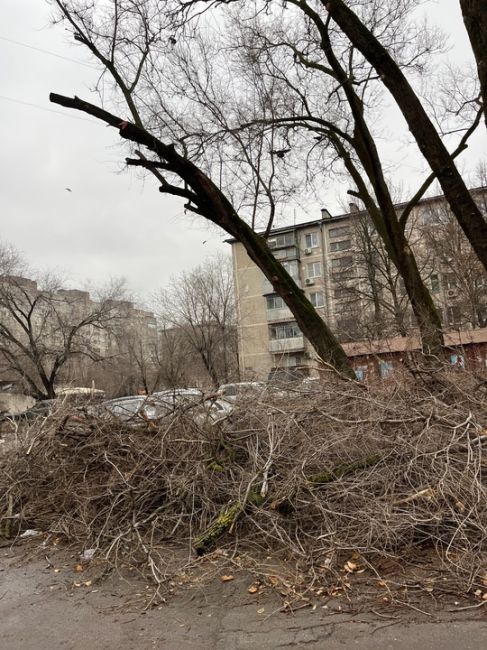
[[68, 189]]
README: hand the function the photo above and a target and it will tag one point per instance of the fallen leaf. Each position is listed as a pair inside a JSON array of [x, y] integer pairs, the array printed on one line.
[[273, 580], [226, 578], [253, 589], [88, 583], [78, 568], [57, 570], [484, 596], [77, 584], [350, 566], [261, 610]]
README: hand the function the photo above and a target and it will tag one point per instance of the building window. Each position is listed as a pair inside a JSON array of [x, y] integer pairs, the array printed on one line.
[[313, 270], [275, 302], [453, 315], [341, 263], [282, 253], [311, 240], [281, 241], [343, 293], [292, 268], [386, 368], [361, 373], [435, 283], [285, 331], [342, 308], [317, 299], [342, 231], [450, 281], [343, 276], [344, 245]]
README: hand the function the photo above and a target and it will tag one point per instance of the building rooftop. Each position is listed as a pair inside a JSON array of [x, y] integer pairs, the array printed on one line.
[[412, 343], [329, 218]]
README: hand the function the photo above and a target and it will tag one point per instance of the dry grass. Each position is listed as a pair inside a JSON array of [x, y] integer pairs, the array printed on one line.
[[131, 493]]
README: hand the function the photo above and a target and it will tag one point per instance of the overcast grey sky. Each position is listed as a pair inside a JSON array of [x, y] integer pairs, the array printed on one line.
[[111, 223]]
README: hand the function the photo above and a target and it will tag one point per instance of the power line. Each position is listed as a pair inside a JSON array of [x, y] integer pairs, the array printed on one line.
[[43, 108], [39, 49]]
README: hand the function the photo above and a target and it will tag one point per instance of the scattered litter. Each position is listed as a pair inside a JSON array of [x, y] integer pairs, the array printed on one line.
[[31, 532], [88, 554]]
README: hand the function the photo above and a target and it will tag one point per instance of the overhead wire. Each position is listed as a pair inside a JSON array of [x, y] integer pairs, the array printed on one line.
[[58, 56], [43, 108], [40, 49]]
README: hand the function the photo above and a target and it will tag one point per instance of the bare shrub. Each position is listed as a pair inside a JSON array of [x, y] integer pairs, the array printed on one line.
[[376, 472]]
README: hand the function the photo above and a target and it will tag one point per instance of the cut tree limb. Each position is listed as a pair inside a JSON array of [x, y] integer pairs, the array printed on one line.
[[229, 515]]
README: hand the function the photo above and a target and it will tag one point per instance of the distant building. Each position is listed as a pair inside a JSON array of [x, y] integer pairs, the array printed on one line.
[[336, 260]]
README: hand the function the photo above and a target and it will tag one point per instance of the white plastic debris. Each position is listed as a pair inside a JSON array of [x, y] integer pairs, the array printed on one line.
[[30, 532], [88, 554]]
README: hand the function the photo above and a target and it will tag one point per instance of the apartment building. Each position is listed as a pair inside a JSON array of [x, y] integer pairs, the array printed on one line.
[[340, 264], [46, 321]]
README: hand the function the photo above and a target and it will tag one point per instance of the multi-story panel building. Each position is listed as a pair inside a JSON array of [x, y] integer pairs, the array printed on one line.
[[340, 264]]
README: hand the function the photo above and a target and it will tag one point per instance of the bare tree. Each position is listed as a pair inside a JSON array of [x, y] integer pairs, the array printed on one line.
[[200, 307], [460, 281], [175, 358], [429, 141], [136, 351], [44, 326], [133, 42], [307, 60], [475, 19], [185, 87], [376, 301]]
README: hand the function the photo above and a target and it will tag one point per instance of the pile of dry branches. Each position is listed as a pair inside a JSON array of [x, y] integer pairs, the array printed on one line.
[[372, 471]]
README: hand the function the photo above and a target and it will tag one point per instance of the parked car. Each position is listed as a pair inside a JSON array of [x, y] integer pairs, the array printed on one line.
[[180, 396], [242, 389], [211, 411], [135, 408], [138, 408]]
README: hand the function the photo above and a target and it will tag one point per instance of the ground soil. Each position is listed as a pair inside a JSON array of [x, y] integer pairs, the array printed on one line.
[[46, 604]]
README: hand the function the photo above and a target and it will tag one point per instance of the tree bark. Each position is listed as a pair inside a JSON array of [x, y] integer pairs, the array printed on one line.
[[475, 18], [228, 516], [429, 142], [214, 206]]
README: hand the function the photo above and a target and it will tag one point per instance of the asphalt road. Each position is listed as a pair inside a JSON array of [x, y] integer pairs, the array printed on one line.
[[40, 610]]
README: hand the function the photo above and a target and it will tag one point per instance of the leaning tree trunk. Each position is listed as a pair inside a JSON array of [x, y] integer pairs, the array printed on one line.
[[429, 142], [475, 19], [384, 216], [213, 205]]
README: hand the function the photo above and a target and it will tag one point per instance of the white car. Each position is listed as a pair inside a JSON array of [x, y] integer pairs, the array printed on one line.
[[136, 407], [212, 411], [232, 392], [180, 396]]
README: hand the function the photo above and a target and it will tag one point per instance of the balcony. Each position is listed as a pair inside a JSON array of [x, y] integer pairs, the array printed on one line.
[[288, 253], [268, 288], [278, 314], [286, 345]]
